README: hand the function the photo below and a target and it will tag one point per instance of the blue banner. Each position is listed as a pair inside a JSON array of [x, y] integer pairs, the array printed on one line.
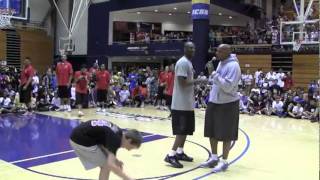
[[200, 11]]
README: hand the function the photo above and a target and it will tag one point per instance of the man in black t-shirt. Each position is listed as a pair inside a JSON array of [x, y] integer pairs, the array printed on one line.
[[96, 143]]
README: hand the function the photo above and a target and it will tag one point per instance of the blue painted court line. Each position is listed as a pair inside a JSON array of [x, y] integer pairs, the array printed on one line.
[[40, 139], [234, 160]]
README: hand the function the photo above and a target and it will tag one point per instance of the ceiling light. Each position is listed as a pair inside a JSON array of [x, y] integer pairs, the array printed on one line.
[[220, 14], [170, 14], [156, 10], [230, 17], [175, 8], [138, 12]]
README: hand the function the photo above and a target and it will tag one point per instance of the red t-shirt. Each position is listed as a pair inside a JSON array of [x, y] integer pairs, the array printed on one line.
[[162, 77], [103, 79], [26, 73], [82, 84], [143, 91], [170, 83], [288, 83], [64, 71]]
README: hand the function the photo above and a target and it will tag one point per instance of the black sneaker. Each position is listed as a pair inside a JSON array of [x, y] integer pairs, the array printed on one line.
[[173, 161], [184, 157]]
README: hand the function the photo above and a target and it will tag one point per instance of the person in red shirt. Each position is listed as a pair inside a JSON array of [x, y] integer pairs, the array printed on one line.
[[102, 86], [92, 90], [64, 73], [25, 86], [162, 85], [288, 82], [139, 95], [82, 81], [169, 87]]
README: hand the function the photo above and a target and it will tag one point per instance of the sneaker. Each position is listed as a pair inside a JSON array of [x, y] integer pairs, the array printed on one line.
[[211, 163], [104, 110], [69, 108], [184, 157], [98, 110], [80, 113], [173, 161], [221, 166]]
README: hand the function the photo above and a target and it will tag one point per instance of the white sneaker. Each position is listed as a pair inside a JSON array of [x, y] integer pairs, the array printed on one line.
[[68, 108], [98, 110], [221, 166], [211, 163], [80, 113], [103, 110]]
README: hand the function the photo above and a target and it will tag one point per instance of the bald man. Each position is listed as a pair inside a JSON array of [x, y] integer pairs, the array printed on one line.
[[182, 106], [222, 113]]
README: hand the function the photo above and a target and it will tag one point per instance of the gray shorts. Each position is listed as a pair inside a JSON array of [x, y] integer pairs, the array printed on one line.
[[90, 157]]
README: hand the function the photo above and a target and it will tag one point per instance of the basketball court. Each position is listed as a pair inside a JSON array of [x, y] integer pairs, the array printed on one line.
[[36, 147]]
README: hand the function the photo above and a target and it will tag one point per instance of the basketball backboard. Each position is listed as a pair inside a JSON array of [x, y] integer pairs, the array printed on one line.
[[18, 7]]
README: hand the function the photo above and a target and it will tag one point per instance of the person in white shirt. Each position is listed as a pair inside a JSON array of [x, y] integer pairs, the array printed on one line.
[[247, 79], [124, 96], [270, 76], [257, 75], [296, 111], [280, 76], [55, 102], [277, 107]]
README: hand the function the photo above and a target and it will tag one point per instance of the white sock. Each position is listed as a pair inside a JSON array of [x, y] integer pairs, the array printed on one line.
[[65, 107], [172, 153], [180, 150], [214, 157], [224, 160]]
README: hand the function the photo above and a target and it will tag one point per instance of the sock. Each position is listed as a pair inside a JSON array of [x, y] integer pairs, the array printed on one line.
[[224, 160], [65, 106], [214, 157], [172, 153], [180, 150]]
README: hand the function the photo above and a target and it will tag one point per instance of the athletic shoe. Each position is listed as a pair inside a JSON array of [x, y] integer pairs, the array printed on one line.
[[80, 113], [104, 110], [68, 108], [184, 157], [211, 163], [173, 160], [221, 166], [98, 110]]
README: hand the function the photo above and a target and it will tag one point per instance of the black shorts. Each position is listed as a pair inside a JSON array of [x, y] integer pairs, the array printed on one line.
[[25, 95], [102, 95], [183, 122], [222, 121], [64, 92], [81, 98], [161, 92], [168, 100]]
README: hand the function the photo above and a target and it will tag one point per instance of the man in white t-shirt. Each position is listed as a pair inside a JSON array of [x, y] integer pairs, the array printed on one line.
[[280, 76], [183, 119], [296, 111]]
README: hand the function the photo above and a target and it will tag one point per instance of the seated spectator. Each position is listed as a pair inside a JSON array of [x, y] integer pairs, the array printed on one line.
[[277, 107], [124, 95], [244, 103], [55, 102], [309, 109], [297, 111], [316, 115]]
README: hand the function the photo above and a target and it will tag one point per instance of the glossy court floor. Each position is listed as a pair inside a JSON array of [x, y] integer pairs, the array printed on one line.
[[269, 148]]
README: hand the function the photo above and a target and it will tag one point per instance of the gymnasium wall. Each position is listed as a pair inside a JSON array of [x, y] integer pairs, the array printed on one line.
[[253, 62], [176, 22], [3, 45], [305, 68], [39, 47]]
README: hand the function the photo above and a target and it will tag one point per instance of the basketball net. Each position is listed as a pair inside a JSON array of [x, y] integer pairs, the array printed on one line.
[[5, 18], [296, 45]]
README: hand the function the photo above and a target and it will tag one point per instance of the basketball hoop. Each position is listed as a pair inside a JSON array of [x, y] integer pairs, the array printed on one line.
[[5, 18], [296, 45]]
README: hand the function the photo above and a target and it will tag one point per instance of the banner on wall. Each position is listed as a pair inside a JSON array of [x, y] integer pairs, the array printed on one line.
[[200, 9]]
